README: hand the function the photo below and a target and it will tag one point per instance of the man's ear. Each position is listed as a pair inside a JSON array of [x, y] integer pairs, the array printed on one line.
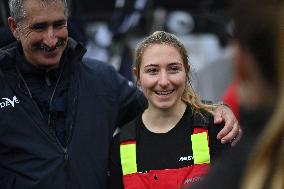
[[13, 27]]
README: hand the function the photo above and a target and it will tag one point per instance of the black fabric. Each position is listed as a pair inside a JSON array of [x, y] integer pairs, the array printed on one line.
[[230, 167], [6, 36], [42, 84], [98, 100], [163, 150], [129, 132]]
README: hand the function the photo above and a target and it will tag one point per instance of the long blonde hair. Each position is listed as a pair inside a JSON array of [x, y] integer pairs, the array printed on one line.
[[162, 37], [265, 169]]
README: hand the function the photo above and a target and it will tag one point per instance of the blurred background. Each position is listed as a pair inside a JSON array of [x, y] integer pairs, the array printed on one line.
[[111, 29]]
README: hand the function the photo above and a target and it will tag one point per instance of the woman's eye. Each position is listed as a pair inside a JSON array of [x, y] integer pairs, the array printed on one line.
[[174, 69], [151, 70]]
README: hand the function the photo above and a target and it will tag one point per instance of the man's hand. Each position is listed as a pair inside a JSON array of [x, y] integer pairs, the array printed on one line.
[[232, 131]]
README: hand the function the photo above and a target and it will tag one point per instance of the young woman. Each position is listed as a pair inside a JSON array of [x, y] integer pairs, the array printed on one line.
[[173, 142]]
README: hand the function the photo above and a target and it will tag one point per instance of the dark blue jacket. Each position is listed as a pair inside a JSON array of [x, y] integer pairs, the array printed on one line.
[[31, 157]]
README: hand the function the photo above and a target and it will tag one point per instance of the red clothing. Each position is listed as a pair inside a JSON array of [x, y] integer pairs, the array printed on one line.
[[141, 159], [231, 98], [166, 179]]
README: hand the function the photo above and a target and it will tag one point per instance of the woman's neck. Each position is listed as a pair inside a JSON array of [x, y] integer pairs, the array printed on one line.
[[162, 121]]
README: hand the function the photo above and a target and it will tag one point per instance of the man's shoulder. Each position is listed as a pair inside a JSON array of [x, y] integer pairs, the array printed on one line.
[[100, 73], [9, 47], [6, 55], [1, 54], [97, 66]]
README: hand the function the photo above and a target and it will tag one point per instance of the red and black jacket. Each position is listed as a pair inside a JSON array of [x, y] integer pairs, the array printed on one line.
[[141, 159]]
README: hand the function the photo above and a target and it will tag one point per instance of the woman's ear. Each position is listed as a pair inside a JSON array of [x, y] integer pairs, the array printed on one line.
[[135, 73], [13, 27], [242, 62]]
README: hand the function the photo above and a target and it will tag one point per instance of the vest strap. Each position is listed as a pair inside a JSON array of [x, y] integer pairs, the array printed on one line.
[[200, 146], [128, 157]]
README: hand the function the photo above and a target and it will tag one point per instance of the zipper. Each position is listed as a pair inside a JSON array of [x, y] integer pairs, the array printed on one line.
[[65, 150], [52, 130]]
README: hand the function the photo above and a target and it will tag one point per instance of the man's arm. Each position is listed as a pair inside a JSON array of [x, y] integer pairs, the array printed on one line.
[[232, 131]]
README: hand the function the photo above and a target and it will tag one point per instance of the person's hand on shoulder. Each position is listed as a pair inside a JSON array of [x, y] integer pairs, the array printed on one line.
[[232, 131]]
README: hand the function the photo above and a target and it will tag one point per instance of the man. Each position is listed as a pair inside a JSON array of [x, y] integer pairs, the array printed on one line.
[[58, 115]]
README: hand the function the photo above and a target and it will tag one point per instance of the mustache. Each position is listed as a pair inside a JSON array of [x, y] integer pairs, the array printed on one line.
[[46, 48]]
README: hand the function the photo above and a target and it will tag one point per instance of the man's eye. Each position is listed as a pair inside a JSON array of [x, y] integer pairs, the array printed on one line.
[[38, 26], [60, 24]]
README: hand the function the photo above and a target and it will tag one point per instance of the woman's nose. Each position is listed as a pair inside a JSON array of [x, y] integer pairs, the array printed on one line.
[[163, 79]]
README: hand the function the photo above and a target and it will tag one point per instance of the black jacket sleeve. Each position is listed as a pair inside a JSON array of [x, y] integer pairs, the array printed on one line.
[[215, 145], [115, 177], [131, 101]]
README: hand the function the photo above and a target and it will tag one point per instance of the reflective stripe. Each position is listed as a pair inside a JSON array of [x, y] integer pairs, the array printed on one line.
[[128, 158], [200, 148]]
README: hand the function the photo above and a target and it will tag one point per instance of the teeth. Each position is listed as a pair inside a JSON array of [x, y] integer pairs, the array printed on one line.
[[164, 92]]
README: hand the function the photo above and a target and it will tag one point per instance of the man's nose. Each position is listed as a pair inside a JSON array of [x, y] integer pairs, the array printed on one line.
[[50, 39]]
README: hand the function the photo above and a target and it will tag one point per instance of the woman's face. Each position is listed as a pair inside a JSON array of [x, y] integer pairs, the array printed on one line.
[[162, 76]]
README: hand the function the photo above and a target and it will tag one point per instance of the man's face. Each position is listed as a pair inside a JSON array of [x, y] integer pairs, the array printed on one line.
[[43, 32]]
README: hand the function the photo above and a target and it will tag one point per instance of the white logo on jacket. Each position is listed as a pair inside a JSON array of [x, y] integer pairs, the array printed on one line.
[[8, 102], [192, 180], [186, 158]]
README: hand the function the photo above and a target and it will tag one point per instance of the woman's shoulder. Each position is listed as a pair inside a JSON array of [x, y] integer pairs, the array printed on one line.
[[128, 131], [200, 118]]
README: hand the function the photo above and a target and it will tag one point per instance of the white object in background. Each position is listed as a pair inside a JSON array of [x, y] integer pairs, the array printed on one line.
[[180, 22]]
